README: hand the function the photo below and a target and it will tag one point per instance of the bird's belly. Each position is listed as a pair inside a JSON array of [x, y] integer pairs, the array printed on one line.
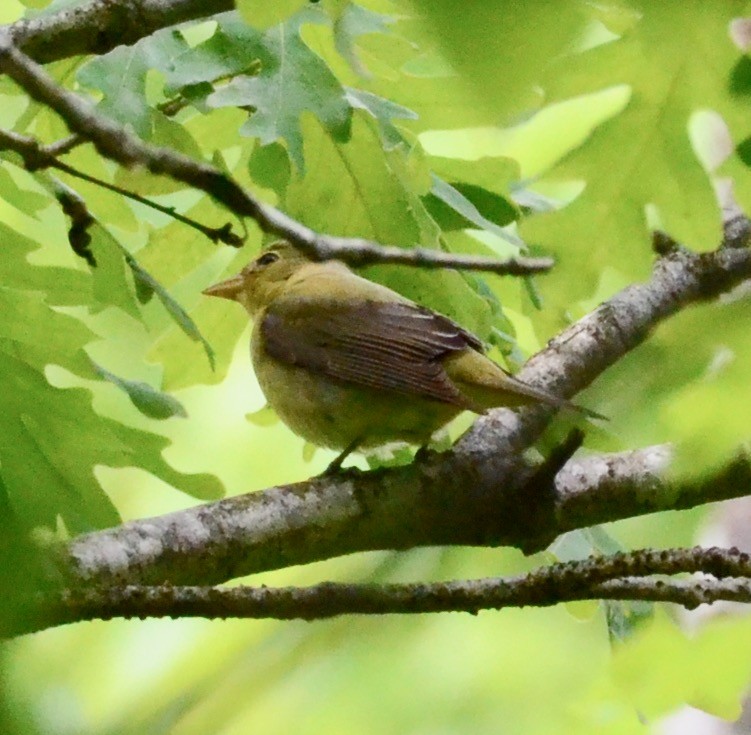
[[334, 414]]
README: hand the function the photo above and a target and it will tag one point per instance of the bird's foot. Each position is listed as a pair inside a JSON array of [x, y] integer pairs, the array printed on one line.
[[341, 472], [424, 453], [335, 467]]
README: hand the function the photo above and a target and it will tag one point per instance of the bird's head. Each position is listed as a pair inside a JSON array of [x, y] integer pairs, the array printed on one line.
[[261, 281]]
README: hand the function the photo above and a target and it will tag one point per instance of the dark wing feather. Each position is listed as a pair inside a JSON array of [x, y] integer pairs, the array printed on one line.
[[383, 345]]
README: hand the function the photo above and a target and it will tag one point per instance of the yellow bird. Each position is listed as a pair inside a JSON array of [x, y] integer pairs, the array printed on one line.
[[348, 364]]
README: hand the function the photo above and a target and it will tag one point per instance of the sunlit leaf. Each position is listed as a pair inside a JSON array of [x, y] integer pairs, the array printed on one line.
[[290, 79], [263, 15]]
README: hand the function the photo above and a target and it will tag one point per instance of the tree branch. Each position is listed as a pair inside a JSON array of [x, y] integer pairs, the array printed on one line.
[[478, 493], [329, 517], [99, 26], [115, 142], [603, 488], [474, 494], [63, 146], [36, 156], [621, 576]]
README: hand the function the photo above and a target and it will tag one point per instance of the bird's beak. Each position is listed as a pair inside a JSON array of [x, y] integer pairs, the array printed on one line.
[[229, 289]]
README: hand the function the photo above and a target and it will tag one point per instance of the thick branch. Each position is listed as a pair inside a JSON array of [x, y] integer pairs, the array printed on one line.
[[603, 488], [329, 517], [101, 25], [621, 576], [476, 494]]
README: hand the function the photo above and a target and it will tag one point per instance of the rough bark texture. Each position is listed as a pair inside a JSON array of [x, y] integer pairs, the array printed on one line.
[[627, 575], [482, 492], [101, 25]]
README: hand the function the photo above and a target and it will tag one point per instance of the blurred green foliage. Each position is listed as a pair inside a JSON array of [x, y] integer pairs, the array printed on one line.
[[566, 128]]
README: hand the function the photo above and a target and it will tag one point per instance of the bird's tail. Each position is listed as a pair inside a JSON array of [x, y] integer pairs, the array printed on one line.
[[487, 385]]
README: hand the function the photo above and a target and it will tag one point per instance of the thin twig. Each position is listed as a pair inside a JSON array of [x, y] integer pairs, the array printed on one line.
[[36, 156], [360, 252], [620, 576], [63, 146], [115, 142], [222, 234]]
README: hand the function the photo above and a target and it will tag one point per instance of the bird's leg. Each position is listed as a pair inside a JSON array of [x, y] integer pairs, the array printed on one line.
[[336, 463]]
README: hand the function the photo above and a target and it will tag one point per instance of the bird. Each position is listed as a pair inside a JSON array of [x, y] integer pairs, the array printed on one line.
[[350, 364]]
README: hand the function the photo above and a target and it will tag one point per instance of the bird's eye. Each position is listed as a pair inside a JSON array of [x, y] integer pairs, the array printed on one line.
[[267, 258]]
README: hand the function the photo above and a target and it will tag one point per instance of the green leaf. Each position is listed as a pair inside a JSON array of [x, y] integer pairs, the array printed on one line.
[[28, 201], [701, 408], [121, 77], [263, 15], [494, 174], [509, 51], [453, 209], [382, 110], [381, 188], [291, 80], [269, 167], [263, 417], [697, 400], [110, 284], [662, 668], [46, 466], [353, 23], [47, 469], [382, 191], [625, 618], [185, 262], [148, 285], [62, 286], [149, 401], [643, 157], [51, 440]]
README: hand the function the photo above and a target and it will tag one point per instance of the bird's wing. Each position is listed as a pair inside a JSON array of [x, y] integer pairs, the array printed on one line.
[[396, 346]]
